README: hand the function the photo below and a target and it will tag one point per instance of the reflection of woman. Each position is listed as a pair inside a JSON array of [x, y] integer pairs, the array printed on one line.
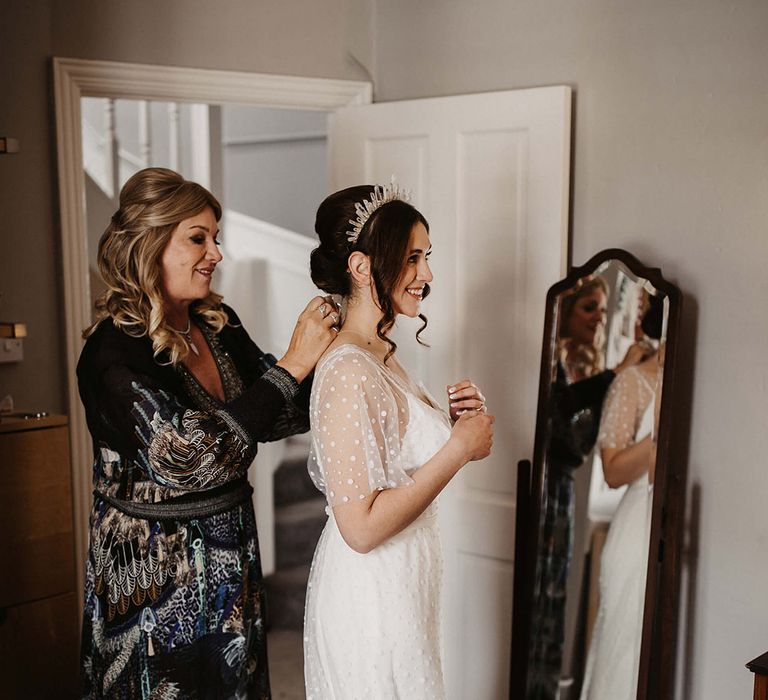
[[577, 394], [626, 449], [381, 452], [177, 396]]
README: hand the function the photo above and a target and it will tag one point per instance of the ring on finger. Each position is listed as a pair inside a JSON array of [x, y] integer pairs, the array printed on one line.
[[322, 309], [334, 317]]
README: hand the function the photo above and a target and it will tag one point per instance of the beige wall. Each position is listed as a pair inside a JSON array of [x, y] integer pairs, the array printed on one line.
[[671, 163]]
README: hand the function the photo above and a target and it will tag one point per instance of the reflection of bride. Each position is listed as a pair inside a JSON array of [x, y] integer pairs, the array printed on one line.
[[625, 441]]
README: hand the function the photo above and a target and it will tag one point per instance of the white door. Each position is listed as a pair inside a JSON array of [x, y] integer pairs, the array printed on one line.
[[491, 174]]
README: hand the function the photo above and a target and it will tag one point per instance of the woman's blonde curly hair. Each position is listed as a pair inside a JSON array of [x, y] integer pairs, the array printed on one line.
[[152, 204], [590, 357]]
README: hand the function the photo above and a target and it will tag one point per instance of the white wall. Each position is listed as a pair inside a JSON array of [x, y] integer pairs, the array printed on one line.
[[671, 163]]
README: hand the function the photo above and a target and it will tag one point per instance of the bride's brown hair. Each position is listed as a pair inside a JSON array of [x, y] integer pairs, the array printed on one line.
[[153, 202], [384, 239]]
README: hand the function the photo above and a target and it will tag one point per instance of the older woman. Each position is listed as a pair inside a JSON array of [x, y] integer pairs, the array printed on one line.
[[177, 396]]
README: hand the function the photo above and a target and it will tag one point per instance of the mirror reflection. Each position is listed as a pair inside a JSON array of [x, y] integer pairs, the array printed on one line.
[[603, 407]]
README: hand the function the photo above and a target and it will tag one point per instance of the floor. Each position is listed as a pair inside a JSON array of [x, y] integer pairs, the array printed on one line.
[[286, 664]]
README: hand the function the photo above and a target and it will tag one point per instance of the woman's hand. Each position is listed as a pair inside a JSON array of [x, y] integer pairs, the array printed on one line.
[[636, 353], [464, 396], [315, 329], [473, 433]]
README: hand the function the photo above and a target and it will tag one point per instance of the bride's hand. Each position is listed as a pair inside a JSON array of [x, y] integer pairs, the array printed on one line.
[[464, 396], [473, 433]]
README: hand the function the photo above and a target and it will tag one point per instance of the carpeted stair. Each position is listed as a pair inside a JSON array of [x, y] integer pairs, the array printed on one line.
[[299, 520]]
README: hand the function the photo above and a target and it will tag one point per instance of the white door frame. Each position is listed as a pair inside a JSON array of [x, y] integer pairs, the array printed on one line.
[[76, 78]]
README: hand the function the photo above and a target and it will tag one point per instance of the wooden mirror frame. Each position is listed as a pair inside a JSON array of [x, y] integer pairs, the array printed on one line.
[[662, 591]]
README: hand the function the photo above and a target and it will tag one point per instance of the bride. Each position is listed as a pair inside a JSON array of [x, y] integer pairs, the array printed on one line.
[[382, 451], [627, 449]]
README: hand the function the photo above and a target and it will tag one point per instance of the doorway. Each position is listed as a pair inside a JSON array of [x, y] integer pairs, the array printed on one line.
[[223, 104]]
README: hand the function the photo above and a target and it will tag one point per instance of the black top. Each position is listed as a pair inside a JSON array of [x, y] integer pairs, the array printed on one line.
[[167, 598], [575, 411], [155, 423]]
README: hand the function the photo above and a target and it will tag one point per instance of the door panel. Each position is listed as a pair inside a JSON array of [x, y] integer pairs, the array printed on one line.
[[491, 174]]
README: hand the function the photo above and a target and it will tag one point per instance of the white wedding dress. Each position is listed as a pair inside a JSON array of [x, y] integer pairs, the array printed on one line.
[[372, 621], [614, 654]]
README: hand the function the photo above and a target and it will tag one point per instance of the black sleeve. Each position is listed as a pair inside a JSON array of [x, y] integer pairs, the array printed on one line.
[[574, 418], [586, 393], [253, 363], [138, 407]]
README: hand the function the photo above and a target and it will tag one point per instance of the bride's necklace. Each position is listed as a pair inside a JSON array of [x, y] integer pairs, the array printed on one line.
[[187, 335], [369, 340]]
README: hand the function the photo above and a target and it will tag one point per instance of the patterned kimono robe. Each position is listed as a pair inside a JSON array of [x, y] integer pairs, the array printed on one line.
[[173, 604], [574, 418]]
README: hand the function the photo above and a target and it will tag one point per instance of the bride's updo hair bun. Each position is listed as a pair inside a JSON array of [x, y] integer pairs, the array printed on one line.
[[328, 262], [653, 319], [384, 238]]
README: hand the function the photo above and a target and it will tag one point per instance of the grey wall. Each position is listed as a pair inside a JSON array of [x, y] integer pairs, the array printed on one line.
[[671, 163], [295, 37], [275, 164], [29, 263]]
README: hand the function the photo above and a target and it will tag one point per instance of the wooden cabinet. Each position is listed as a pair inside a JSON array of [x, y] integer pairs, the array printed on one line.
[[39, 639], [759, 667]]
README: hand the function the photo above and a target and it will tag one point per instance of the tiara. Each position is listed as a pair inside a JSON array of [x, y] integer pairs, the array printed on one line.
[[380, 196]]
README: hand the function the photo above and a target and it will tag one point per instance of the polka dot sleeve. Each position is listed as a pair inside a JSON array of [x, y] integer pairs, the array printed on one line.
[[621, 411], [357, 420]]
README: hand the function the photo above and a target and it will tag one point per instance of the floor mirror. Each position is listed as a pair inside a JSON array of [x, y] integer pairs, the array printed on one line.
[[600, 504]]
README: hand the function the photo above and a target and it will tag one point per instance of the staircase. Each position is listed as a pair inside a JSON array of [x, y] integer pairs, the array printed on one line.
[[299, 520]]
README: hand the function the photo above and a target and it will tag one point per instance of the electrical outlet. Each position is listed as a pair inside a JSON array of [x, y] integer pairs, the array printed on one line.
[[11, 350]]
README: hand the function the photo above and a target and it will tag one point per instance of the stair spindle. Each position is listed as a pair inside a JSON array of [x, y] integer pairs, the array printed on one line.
[[173, 135], [113, 149], [145, 133]]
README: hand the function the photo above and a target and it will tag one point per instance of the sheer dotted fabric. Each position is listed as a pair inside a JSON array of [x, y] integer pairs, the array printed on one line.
[[372, 621], [358, 417], [629, 395]]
